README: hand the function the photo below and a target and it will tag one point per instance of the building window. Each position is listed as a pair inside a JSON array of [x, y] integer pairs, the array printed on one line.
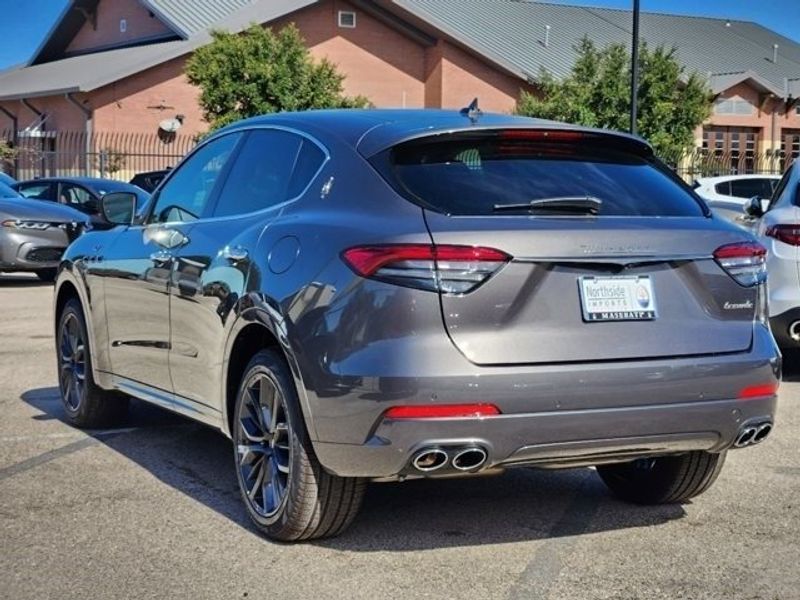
[[732, 106], [790, 147], [730, 150], [347, 19]]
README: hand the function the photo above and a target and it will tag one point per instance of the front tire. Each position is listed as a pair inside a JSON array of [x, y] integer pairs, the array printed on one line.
[[85, 404], [288, 495], [665, 479]]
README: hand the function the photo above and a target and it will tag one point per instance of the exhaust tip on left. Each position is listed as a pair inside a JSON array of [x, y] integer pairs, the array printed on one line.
[[429, 460]]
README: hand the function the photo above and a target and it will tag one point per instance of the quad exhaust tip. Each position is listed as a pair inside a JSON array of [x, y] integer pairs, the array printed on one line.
[[466, 459], [753, 434], [794, 331]]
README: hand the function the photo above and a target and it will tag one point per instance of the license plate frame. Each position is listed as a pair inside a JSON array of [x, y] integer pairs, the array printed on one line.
[[610, 298]]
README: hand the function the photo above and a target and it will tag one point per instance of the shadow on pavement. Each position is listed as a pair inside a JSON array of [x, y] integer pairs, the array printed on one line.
[[520, 505], [22, 280]]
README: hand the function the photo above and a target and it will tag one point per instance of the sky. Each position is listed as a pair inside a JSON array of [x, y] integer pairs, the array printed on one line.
[[24, 23]]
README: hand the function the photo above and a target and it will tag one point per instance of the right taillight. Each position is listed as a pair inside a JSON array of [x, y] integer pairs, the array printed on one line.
[[445, 268], [746, 262], [788, 234]]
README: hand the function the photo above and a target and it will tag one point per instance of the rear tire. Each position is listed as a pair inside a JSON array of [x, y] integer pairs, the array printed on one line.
[[288, 495], [665, 479], [85, 404], [47, 275]]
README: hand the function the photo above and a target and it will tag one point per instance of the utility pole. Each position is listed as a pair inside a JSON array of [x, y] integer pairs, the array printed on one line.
[[635, 67]]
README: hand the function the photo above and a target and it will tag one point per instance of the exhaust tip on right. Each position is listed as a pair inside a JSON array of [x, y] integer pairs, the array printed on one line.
[[746, 437], [762, 433], [794, 331], [469, 459]]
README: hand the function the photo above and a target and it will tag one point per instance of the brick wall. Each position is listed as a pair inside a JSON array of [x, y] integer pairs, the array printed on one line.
[[465, 77], [139, 24], [380, 63], [130, 104]]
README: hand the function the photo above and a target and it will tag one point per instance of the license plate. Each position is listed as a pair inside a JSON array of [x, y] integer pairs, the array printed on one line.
[[617, 299]]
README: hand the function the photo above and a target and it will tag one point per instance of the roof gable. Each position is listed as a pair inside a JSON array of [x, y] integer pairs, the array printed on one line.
[[188, 17]]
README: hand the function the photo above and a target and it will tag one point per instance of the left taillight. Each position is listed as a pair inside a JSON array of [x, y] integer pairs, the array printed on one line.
[[450, 269], [746, 262]]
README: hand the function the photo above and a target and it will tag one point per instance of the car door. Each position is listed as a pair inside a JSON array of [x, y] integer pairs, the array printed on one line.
[[213, 268], [137, 265]]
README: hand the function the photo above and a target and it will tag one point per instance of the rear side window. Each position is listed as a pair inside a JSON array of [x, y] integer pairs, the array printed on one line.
[[37, 191], [482, 175], [274, 166], [747, 188]]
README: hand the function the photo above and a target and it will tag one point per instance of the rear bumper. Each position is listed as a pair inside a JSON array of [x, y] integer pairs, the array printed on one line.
[[563, 415], [554, 439]]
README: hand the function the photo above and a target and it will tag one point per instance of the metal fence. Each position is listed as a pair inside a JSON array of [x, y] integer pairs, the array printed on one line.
[[702, 162], [113, 155]]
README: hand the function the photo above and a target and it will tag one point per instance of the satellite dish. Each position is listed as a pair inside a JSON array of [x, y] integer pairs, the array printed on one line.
[[171, 125]]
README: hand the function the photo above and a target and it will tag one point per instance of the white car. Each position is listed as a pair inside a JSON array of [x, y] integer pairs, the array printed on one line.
[[727, 195], [778, 230]]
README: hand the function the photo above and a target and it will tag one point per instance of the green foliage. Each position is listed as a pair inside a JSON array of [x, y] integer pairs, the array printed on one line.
[[260, 71], [597, 94], [7, 151], [110, 161]]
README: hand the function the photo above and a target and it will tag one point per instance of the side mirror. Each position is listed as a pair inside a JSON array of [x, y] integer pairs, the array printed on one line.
[[119, 208], [753, 207]]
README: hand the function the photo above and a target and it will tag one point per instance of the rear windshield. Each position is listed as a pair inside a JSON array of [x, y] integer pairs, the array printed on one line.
[[484, 175]]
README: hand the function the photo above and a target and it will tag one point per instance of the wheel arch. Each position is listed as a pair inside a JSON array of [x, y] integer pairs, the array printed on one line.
[[253, 331], [68, 287]]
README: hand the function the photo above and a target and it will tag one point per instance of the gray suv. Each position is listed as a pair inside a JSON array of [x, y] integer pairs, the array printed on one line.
[[33, 236], [357, 296]]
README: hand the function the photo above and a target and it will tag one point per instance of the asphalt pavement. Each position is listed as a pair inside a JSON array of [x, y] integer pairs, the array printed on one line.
[[151, 510]]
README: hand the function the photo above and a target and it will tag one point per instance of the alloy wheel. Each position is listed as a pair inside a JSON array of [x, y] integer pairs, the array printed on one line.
[[72, 362], [263, 445]]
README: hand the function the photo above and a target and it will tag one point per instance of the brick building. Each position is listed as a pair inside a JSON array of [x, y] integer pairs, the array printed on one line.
[[117, 65]]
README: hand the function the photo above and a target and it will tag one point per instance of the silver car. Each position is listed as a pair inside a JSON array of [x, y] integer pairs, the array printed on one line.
[[778, 229], [357, 296], [34, 235]]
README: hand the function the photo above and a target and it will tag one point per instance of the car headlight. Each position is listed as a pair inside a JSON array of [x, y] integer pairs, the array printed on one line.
[[20, 224]]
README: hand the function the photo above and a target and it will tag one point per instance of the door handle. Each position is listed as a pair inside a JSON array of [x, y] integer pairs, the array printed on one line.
[[161, 258], [234, 254]]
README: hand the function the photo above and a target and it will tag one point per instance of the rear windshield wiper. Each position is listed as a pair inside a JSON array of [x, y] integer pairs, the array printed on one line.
[[561, 204]]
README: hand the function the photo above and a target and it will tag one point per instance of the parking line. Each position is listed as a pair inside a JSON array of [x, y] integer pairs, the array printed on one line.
[[46, 457], [546, 565]]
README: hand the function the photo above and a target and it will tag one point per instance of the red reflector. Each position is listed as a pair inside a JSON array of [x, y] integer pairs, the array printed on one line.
[[788, 234], [441, 411], [366, 260], [740, 250], [541, 135], [757, 391]]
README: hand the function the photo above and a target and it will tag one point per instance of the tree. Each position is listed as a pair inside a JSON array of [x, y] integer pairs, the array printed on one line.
[[672, 103], [260, 71]]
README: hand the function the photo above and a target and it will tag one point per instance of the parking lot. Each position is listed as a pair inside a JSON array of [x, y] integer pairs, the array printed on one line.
[[151, 510]]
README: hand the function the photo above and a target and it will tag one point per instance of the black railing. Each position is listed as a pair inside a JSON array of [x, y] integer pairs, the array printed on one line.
[[112, 155], [701, 162]]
